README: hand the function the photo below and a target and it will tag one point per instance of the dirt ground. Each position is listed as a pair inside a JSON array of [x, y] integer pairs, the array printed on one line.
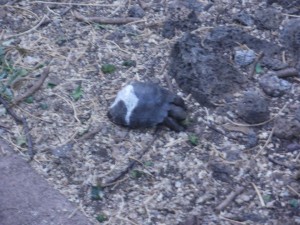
[[238, 162]]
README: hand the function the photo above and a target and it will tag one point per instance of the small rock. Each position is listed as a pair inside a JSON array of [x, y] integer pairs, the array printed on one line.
[[136, 11], [244, 57], [243, 18], [287, 128], [63, 151], [253, 108], [274, 86]]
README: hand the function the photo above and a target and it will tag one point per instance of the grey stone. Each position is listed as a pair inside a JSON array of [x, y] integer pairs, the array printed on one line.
[[253, 108], [274, 86], [136, 11], [244, 57]]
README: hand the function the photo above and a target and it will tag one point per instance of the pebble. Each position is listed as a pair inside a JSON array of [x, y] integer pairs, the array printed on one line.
[[244, 57], [253, 108], [136, 11], [274, 86]]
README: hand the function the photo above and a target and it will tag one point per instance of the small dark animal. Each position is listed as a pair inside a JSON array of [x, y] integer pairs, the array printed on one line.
[[140, 105]]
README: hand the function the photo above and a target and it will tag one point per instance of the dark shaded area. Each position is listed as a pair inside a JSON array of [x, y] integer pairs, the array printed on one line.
[[204, 69], [189, 24], [207, 75]]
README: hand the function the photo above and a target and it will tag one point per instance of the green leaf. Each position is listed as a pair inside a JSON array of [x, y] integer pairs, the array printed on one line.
[[96, 193], [294, 203], [77, 93], [51, 85], [258, 68], [101, 217], [6, 92], [149, 163], [267, 198], [43, 106], [108, 68], [136, 174], [21, 140], [29, 100], [186, 122], [21, 72], [129, 63], [193, 139], [40, 66]]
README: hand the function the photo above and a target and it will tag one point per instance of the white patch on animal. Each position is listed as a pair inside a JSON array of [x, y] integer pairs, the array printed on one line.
[[130, 100]]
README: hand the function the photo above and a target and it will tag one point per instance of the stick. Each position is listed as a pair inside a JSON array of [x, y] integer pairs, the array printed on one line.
[[28, 138], [20, 120], [133, 162], [259, 56], [291, 167], [34, 88], [229, 198], [262, 202], [104, 20], [288, 72], [293, 190], [10, 111], [28, 31]]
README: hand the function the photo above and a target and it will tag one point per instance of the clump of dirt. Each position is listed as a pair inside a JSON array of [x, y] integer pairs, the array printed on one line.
[[253, 108], [208, 76]]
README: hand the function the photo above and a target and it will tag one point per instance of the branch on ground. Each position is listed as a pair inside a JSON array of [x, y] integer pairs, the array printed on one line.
[[34, 88]]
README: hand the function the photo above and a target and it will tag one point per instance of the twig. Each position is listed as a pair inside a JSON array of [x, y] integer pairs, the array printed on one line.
[[232, 221], [28, 138], [258, 58], [104, 20], [10, 111], [262, 202], [34, 88], [167, 78], [262, 123], [229, 198], [266, 143], [90, 134], [132, 164], [28, 31], [20, 120], [293, 190], [288, 72], [291, 167]]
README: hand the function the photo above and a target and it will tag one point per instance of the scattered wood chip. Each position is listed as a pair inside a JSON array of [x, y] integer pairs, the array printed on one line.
[[230, 198], [104, 20]]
